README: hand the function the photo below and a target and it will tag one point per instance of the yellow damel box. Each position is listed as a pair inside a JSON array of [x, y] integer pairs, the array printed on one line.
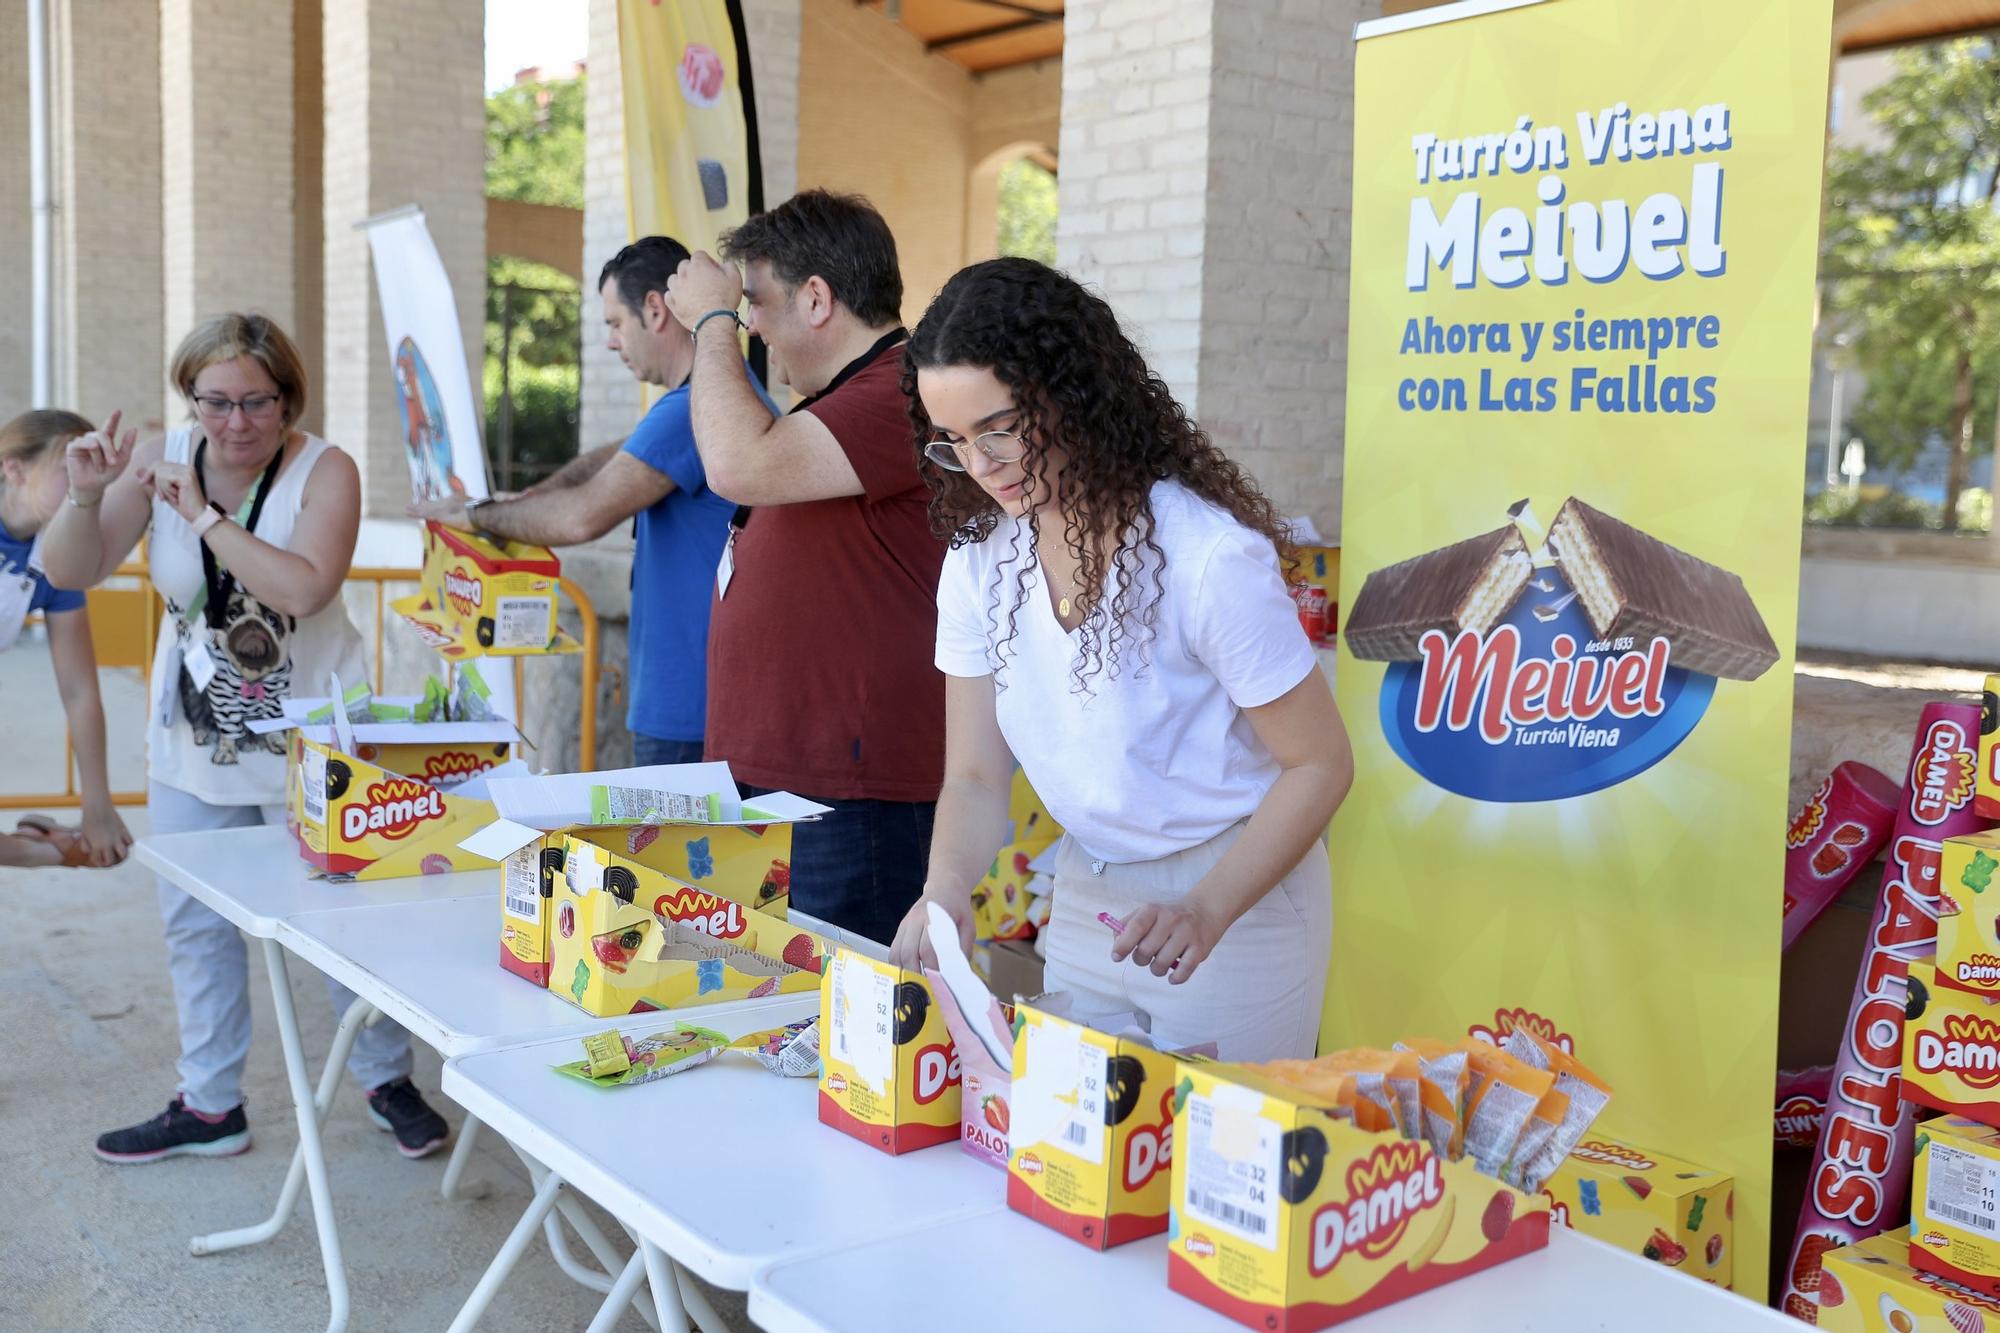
[[889, 1073], [356, 818], [1955, 1203], [1968, 952], [1091, 1129], [1869, 1287], [1675, 1213], [1287, 1220], [1951, 1047], [625, 939], [484, 597]]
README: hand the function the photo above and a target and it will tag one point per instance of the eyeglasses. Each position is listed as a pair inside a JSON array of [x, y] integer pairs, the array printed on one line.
[[999, 446], [257, 407]]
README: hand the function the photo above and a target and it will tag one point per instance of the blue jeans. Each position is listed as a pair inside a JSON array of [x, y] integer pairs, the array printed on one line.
[[861, 865], [650, 750]]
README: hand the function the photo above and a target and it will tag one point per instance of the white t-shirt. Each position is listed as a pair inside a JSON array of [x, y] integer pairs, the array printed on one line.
[[1156, 756], [261, 656]]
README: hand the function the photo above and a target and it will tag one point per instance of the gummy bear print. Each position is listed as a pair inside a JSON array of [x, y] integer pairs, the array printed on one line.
[[701, 861], [581, 981], [708, 975], [1979, 875], [1587, 1193]]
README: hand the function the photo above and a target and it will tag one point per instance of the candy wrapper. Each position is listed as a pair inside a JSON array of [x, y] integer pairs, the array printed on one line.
[[653, 1056], [1583, 1098], [1835, 834], [1861, 1169], [435, 703], [1800, 1110], [357, 705], [792, 1050], [471, 697], [646, 805]]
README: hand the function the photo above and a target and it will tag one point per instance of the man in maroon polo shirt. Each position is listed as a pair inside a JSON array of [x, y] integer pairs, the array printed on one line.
[[825, 616]]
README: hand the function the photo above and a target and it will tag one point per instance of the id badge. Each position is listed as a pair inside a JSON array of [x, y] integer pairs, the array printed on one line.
[[725, 569], [199, 664]]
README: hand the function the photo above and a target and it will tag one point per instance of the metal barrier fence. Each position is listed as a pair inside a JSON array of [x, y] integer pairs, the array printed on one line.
[[112, 623]]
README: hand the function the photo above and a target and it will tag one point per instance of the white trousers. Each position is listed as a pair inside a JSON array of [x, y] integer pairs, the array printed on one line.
[[211, 973], [1257, 997]]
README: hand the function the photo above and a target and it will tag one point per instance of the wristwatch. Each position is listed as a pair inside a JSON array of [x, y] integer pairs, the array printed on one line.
[[207, 519]]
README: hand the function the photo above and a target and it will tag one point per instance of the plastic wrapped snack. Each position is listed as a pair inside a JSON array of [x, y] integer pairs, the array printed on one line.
[[471, 698], [792, 1050], [1443, 1074], [434, 705], [653, 1056], [645, 805], [358, 703], [1500, 1103], [1584, 1094]]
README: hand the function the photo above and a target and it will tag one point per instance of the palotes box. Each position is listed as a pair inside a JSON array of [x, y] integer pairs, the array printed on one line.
[[748, 858], [484, 597], [1673, 1212], [1968, 932], [1951, 1047], [1955, 1203], [1090, 1139], [1286, 1219], [1870, 1287], [889, 1073]]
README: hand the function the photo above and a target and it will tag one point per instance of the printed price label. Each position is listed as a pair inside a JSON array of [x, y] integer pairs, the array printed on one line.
[[1233, 1170], [864, 1022], [521, 622], [523, 885], [312, 785], [1963, 1189]]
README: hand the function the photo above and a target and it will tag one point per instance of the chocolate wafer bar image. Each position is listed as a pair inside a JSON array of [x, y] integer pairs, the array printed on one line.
[[1467, 585], [1633, 584]]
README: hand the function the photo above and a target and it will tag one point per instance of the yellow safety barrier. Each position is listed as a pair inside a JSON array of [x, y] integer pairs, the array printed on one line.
[[113, 620]]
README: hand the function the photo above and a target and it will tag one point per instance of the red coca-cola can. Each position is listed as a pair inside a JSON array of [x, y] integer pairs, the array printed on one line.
[[1311, 601]]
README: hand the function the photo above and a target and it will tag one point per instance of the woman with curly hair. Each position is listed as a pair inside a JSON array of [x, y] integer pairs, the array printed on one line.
[[1113, 614]]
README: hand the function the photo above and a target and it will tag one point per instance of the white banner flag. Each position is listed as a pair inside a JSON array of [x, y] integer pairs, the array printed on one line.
[[427, 356]]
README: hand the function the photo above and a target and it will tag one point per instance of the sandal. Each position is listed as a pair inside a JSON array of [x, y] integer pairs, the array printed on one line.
[[75, 854]]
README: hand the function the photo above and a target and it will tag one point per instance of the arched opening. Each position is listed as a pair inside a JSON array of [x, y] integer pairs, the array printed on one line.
[[1010, 206]]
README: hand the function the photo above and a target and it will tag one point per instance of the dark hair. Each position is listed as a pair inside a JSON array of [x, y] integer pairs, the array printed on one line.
[[839, 238], [643, 266], [1081, 384]]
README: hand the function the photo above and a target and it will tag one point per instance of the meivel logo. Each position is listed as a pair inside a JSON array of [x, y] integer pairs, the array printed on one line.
[[1538, 708]]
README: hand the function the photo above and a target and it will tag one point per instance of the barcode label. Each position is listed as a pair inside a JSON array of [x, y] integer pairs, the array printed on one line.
[[1966, 1217], [521, 622], [1075, 1133], [1221, 1210], [522, 885], [312, 786], [1961, 1189]]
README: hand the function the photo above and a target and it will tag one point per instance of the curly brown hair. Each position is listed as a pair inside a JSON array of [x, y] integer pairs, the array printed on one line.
[[1082, 385]]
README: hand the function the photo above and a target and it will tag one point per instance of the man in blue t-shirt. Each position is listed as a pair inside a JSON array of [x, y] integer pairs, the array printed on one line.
[[655, 475]]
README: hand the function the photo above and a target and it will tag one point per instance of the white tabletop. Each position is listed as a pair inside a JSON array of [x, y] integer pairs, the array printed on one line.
[[434, 967], [254, 878], [732, 1170], [997, 1271]]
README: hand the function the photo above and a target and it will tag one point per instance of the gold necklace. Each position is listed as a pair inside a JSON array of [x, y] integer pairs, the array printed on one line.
[[1063, 603]]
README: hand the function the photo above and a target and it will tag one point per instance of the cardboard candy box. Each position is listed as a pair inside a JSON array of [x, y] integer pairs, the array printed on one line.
[[1673, 1212], [482, 596], [889, 1073], [1090, 1149], [1955, 1204], [351, 817], [1951, 1047], [1286, 1219], [1986, 786], [1968, 940], [1870, 1287]]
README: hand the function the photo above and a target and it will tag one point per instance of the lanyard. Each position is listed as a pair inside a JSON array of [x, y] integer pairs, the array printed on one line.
[[218, 583], [847, 372]]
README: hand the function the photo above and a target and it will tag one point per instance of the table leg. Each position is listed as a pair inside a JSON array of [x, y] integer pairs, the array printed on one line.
[[592, 1237], [661, 1273], [305, 1103], [696, 1302], [623, 1292], [547, 1191], [359, 1015], [461, 1153]]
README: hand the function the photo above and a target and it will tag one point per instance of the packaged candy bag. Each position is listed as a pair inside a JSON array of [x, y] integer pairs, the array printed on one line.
[[1501, 1100], [646, 805], [653, 1056], [1388, 1078], [1443, 1073], [791, 1051], [471, 697], [358, 704], [1585, 1096], [435, 705]]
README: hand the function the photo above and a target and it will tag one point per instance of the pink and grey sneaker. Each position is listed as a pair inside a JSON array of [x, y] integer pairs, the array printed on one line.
[[179, 1131], [398, 1107]]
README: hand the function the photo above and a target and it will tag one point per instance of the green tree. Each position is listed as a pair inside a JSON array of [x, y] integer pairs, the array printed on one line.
[[1027, 211], [534, 155], [1913, 251]]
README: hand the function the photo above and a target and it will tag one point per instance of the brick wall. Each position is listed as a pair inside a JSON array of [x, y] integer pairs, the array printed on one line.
[[110, 321], [16, 226]]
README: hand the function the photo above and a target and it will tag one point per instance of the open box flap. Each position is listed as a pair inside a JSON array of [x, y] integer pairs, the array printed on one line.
[[563, 800]]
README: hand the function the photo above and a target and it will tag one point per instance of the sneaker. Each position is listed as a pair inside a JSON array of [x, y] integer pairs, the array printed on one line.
[[399, 1108], [177, 1131]]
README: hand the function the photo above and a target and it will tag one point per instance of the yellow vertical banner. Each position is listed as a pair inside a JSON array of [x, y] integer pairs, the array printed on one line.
[[1584, 245], [691, 168]]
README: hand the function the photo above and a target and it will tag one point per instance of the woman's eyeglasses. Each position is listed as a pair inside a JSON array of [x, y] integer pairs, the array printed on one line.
[[257, 407], [999, 446]]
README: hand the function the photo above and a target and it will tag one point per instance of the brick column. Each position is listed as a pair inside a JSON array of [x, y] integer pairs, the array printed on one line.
[[226, 160], [110, 282], [1206, 157], [16, 279], [404, 124]]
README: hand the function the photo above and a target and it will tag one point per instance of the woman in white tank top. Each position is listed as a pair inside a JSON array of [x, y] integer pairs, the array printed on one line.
[[253, 526]]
